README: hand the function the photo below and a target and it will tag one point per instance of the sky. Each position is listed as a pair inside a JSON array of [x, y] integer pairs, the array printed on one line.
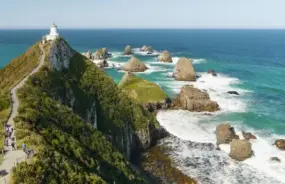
[[209, 14]]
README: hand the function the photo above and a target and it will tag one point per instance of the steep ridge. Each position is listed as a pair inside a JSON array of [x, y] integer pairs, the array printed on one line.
[[11, 157], [82, 127]]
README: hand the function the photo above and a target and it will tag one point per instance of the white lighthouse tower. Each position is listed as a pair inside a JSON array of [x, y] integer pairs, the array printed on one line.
[[53, 34]]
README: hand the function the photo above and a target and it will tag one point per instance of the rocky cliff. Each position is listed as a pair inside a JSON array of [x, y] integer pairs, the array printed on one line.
[[82, 127]]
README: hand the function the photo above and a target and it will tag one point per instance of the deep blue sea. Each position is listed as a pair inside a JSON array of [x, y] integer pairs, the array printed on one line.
[[251, 62]]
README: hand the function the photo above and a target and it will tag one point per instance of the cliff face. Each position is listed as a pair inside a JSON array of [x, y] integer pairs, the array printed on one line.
[[90, 93], [82, 127], [60, 55]]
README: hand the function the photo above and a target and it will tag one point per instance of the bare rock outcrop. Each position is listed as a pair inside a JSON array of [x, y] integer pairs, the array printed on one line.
[[225, 133], [280, 143], [128, 50], [135, 65], [240, 149], [184, 70], [193, 99], [165, 56]]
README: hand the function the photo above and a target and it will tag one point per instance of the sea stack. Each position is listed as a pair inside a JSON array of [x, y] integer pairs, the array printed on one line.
[[184, 70], [128, 50], [165, 56], [193, 99], [101, 54], [149, 49], [135, 65], [225, 133], [143, 48]]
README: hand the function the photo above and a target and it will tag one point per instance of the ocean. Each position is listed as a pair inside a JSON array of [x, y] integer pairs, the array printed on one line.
[[251, 62]]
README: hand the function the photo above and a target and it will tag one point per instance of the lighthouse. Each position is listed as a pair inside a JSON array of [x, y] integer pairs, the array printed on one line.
[[53, 34]]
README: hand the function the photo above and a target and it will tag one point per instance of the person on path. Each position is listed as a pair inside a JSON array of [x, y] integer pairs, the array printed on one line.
[[13, 145], [10, 134], [11, 129], [24, 147], [6, 141]]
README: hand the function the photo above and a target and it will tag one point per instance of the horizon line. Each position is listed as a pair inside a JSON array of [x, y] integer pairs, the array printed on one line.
[[82, 28]]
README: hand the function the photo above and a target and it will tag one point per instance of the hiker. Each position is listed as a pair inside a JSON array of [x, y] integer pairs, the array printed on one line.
[[6, 141], [24, 147], [13, 145]]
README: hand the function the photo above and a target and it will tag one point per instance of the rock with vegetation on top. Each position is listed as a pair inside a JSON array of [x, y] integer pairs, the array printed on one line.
[[128, 50], [165, 56], [248, 135], [184, 70], [142, 90], [96, 120], [193, 99], [240, 149], [225, 133], [135, 65], [280, 143]]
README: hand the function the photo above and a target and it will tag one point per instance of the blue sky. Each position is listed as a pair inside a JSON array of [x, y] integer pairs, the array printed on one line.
[[143, 13]]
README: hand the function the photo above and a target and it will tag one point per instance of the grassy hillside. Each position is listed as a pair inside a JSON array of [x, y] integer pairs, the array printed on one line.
[[68, 149], [80, 124], [16, 70], [142, 90]]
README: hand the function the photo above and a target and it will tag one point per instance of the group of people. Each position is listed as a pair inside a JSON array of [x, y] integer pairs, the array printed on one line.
[[28, 151], [9, 139]]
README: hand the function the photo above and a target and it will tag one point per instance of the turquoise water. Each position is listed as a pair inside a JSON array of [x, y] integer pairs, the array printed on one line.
[[251, 62], [255, 57]]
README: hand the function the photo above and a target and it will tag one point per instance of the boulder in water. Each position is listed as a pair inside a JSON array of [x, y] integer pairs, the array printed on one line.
[[143, 48], [240, 149], [275, 159], [248, 135], [103, 64], [165, 56], [193, 99], [280, 143], [225, 133], [184, 70], [211, 71], [135, 65], [101, 54], [149, 49], [128, 50], [233, 92]]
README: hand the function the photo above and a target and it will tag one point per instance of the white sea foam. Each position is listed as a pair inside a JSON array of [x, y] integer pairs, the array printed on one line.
[[175, 60], [217, 87], [143, 53], [212, 166]]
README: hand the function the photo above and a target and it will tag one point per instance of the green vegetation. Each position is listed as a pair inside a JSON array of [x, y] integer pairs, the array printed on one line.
[[14, 72], [142, 90], [57, 115], [157, 163], [68, 150]]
